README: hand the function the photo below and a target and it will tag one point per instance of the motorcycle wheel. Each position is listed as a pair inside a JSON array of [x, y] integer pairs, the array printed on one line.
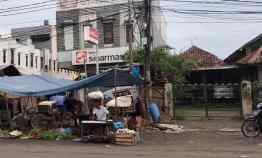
[[250, 128]]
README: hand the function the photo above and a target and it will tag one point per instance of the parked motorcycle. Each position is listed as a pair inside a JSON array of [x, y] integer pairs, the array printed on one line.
[[252, 126]]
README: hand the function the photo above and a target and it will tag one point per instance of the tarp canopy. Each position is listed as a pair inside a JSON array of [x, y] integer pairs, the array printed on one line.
[[33, 85]]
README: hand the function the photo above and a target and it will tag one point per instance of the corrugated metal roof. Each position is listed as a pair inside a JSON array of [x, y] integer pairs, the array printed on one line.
[[30, 31]]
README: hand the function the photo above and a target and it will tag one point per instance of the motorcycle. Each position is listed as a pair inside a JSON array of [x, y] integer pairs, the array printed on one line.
[[252, 125]]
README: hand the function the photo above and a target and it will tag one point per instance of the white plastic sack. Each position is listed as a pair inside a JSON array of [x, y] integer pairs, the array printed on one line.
[[96, 95], [123, 101]]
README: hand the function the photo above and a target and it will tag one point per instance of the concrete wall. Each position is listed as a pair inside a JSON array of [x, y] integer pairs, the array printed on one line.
[[47, 44], [63, 19], [159, 26]]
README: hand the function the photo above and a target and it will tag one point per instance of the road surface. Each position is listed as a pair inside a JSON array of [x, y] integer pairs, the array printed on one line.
[[190, 144]]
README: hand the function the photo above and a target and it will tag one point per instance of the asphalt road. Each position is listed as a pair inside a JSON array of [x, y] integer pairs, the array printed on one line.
[[209, 143]]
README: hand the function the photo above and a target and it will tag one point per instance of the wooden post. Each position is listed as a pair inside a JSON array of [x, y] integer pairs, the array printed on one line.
[[7, 109], [205, 94], [206, 100], [168, 99]]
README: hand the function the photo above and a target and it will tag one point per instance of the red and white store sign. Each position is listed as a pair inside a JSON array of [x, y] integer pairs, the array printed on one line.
[[105, 56], [82, 56], [91, 35]]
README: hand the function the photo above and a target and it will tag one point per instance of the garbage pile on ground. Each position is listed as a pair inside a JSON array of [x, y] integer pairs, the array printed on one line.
[[125, 131], [169, 128]]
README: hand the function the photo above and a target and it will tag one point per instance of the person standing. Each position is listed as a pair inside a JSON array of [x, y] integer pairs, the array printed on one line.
[[100, 113]]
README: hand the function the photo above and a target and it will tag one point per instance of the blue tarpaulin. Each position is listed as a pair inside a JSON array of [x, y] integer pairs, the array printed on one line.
[[33, 85]]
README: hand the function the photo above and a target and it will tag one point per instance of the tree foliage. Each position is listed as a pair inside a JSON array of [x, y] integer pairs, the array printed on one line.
[[174, 67]]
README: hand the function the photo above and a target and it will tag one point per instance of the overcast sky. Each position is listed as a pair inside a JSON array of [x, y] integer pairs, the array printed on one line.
[[219, 38], [219, 34]]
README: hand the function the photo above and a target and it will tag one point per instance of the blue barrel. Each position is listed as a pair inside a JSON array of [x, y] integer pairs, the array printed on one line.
[[154, 112]]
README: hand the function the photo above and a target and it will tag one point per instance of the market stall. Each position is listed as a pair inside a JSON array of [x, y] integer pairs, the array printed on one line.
[[40, 86]]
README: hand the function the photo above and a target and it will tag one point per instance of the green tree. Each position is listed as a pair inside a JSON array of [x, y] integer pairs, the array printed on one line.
[[163, 63]]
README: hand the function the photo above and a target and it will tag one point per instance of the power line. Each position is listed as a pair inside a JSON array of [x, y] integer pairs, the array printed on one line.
[[40, 6], [214, 17], [86, 14], [237, 2], [25, 34], [39, 29], [24, 6]]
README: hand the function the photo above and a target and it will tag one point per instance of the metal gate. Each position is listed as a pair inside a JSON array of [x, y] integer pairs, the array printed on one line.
[[207, 100]]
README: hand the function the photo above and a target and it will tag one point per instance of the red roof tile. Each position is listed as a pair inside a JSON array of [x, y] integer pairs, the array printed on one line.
[[252, 57], [205, 58]]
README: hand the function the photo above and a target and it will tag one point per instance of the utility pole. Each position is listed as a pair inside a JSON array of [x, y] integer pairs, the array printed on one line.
[[97, 60], [148, 91], [130, 34], [82, 46]]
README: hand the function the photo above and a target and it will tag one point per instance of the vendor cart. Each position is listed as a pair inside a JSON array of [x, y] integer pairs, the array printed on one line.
[[97, 131]]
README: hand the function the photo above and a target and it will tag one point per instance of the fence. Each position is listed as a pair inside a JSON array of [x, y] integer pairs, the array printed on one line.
[[207, 100]]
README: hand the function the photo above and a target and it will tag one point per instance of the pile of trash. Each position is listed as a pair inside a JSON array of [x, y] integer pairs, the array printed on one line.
[[169, 128], [125, 131]]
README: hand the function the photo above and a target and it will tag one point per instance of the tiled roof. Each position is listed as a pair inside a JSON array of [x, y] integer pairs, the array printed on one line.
[[253, 44], [203, 57], [254, 57]]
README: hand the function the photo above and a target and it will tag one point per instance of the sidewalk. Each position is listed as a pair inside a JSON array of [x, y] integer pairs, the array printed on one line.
[[211, 125]]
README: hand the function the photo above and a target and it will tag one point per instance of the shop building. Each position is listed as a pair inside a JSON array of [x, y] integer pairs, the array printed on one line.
[[110, 19]]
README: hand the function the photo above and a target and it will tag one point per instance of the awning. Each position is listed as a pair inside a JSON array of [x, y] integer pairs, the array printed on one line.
[[33, 85], [9, 70]]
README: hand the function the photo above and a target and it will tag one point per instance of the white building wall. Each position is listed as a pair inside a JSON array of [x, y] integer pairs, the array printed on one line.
[[23, 49], [159, 26]]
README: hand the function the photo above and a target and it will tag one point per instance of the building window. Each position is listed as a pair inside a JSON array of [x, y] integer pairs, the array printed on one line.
[[42, 63], [54, 66], [26, 60], [36, 62], [129, 30], [32, 60], [19, 59], [108, 33], [12, 55], [4, 55], [50, 64], [68, 38]]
